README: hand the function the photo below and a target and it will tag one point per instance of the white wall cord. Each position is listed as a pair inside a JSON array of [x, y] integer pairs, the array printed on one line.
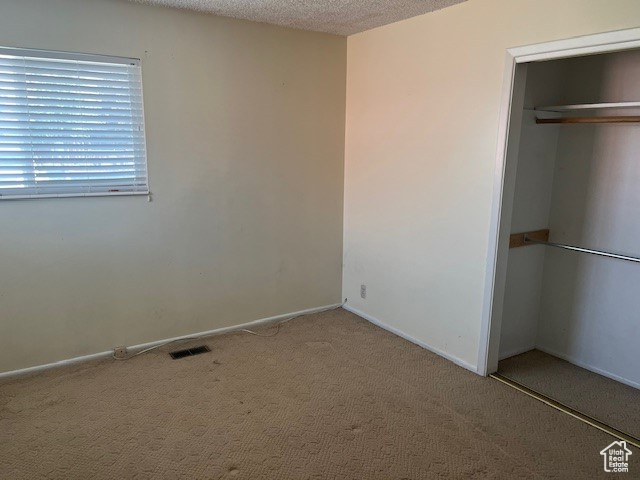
[[281, 322], [198, 337]]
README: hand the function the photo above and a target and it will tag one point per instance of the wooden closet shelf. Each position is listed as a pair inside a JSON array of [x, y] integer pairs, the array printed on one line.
[[616, 119], [587, 106]]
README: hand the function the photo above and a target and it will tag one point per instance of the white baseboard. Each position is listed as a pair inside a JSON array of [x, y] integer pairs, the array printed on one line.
[[591, 368], [60, 363], [137, 348], [516, 351], [411, 339]]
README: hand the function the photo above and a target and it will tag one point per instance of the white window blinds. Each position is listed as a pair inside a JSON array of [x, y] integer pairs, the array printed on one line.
[[70, 125]]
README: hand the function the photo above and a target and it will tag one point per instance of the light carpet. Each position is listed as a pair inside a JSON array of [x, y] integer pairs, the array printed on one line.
[[606, 400], [330, 397]]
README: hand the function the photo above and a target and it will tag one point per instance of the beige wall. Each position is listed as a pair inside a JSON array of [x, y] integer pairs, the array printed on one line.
[[245, 134], [423, 97]]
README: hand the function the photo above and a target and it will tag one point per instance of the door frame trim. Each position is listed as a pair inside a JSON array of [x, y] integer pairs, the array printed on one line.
[[496, 266]]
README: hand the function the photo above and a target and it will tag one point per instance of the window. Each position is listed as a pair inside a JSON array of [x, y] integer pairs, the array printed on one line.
[[70, 125]]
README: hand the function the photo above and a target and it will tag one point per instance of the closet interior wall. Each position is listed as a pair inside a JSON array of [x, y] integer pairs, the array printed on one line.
[[582, 182]]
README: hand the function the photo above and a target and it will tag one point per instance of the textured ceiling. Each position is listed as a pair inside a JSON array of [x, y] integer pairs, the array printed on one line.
[[342, 17]]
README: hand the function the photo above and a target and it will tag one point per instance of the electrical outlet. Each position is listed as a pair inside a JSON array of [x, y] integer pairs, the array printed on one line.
[[363, 291], [120, 352]]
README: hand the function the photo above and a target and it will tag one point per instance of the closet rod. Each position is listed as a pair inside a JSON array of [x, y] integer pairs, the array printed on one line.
[[617, 119], [583, 250]]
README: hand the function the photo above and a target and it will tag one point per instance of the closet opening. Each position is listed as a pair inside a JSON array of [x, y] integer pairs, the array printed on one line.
[[563, 310]]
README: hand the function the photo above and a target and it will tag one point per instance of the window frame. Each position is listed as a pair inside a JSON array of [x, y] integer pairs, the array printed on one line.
[[95, 58]]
